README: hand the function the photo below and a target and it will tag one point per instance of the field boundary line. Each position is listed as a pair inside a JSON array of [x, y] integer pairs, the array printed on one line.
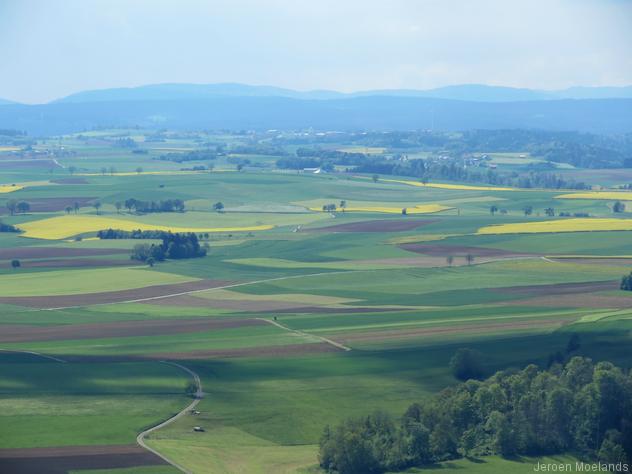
[[306, 334], [39, 354], [199, 394]]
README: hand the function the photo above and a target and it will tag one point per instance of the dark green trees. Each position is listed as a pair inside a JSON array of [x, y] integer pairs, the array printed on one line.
[[581, 407], [626, 282], [466, 364]]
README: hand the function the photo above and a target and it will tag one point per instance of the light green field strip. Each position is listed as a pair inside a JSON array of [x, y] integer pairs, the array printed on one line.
[[228, 450], [307, 299], [607, 195], [60, 282], [449, 321], [558, 225], [292, 264]]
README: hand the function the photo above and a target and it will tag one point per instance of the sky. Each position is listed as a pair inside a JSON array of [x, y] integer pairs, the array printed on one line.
[[52, 48]]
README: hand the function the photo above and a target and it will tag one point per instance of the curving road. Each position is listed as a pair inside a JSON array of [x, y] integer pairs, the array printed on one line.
[[199, 394]]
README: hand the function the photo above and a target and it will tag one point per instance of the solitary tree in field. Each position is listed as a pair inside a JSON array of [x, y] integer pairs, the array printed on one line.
[[404, 211], [191, 389], [375, 178], [469, 258], [23, 207], [76, 207], [449, 260], [72, 169], [68, 209], [618, 207], [549, 211], [112, 170], [626, 282], [493, 210], [218, 206], [15, 264], [12, 206], [466, 364], [342, 205], [139, 170], [118, 205], [104, 170], [528, 210], [97, 206]]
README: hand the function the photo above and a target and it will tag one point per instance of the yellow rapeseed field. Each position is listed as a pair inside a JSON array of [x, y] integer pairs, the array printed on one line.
[[420, 209], [62, 227], [9, 188], [463, 187], [609, 195], [559, 225]]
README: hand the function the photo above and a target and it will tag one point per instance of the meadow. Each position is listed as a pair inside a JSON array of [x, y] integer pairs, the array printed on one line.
[[296, 318]]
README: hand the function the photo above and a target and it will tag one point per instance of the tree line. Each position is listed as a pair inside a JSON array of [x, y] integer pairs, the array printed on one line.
[[580, 407], [168, 205], [195, 155]]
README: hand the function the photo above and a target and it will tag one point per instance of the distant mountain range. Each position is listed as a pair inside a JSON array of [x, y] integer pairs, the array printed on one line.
[[6, 102], [240, 107], [466, 92]]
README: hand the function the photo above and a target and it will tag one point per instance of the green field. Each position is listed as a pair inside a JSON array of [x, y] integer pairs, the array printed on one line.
[[319, 317]]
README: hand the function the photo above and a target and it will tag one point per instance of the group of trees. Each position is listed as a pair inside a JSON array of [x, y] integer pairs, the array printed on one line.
[[454, 170], [8, 227], [626, 282], [174, 246], [14, 206], [195, 155], [75, 207], [168, 205], [581, 407], [579, 149], [134, 234]]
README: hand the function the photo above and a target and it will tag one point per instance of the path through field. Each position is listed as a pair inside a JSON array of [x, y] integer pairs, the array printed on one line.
[[140, 439], [305, 334]]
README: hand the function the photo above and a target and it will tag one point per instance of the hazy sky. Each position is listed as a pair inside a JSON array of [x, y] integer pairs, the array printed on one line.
[[51, 48]]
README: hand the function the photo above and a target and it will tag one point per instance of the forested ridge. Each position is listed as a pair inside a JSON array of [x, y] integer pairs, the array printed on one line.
[[584, 408]]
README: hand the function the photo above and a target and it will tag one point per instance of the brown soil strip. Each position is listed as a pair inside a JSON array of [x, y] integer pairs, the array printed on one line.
[[236, 305], [449, 330], [55, 252], [288, 350], [53, 204], [63, 301], [17, 164], [457, 250], [74, 262], [382, 225], [26, 333], [64, 459], [560, 288], [264, 306], [70, 181]]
